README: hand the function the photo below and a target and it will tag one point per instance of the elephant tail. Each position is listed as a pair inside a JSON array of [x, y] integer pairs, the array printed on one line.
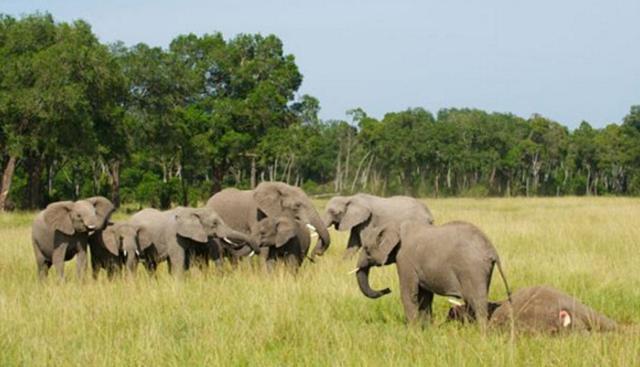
[[504, 279]]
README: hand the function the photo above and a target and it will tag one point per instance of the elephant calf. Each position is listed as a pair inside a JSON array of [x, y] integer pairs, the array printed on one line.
[[453, 260], [282, 238], [61, 231], [113, 247], [541, 309]]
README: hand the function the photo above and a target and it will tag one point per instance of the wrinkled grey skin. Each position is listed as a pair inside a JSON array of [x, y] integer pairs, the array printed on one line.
[[453, 260], [61, 231], [357, 212], [541, 309], [242, 209], [181, 234], [282, 239], [114, 247]]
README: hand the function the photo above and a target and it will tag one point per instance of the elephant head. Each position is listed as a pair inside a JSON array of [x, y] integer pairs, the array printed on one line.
[[345, 212], [81, 216], [127, 240], [276, 199], [380, 245], [204, 224], [276, 231]]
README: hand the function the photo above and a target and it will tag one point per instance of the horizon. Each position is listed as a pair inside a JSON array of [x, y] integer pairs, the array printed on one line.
[[576, 65]]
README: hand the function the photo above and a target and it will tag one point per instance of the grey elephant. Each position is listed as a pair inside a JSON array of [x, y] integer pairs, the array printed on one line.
[[242, 209], [61, 231], [357, 212], [540, 309], [454, 260], [114, 247], [285, 239], [182, 234]]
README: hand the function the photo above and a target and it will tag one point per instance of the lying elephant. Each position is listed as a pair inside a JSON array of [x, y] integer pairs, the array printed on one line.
[[282, 238], [179, 234], [61, 231], [453, 260], [541, 309], [114, 247]]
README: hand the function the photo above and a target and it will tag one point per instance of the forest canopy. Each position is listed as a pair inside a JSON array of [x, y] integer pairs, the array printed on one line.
[[162, 126]]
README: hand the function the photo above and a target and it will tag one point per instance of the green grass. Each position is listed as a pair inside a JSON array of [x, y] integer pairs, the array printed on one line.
[[585, 246]]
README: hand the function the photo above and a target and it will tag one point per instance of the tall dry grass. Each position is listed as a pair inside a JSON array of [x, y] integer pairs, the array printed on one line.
[[585, 246]]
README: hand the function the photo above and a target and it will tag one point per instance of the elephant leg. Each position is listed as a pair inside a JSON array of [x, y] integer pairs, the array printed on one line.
[[425, 300], [177, 261], [41, 262], [409, 293], [475, 295], [268, 259], [81, 262], [293, 262], [57, 259]]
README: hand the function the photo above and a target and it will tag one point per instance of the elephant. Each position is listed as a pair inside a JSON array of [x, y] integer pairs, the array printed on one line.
[[114, 247], [181, 234], [61, 231], [541, 309], [242, 209], [284, 238], [454, 260], [360, 211]]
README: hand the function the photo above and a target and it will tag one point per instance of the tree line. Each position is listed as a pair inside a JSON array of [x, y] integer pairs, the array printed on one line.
[[161, 126]]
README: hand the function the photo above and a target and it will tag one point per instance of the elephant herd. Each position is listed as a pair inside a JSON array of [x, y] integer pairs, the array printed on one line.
[[277, 221]]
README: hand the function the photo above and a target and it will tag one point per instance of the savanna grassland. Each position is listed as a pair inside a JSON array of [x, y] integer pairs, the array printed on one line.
[[585, 246]]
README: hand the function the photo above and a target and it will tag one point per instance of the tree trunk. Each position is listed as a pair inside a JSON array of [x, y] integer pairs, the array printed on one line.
[[5, 185], [218, 177], [114, 172], [253, 172], [34, 184]]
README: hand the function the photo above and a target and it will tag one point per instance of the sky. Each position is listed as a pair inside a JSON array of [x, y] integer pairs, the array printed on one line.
[[569, 60]]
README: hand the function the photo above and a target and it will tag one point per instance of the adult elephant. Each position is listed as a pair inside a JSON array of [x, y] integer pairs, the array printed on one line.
[[360, 211], [178, 235], [242, 209], [113, 247], [454, 260], [61, 231]]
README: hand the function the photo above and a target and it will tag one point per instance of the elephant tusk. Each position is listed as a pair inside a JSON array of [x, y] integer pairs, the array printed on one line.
[[312, 228], [125, 253], [137, 253], [455, 301], [229, 241], [252, 253], [353, 271]]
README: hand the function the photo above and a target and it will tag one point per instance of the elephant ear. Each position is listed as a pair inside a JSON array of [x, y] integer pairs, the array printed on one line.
[[269, 198], [57, 216], [189, 226], [144, 238], [388, 239], [104, 208], [286, 229], [111, 240], [354, 215]]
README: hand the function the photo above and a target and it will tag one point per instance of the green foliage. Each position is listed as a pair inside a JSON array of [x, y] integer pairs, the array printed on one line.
[[167, 126]]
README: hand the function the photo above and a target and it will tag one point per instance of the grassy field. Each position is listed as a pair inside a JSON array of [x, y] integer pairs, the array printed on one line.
[[588, 247]]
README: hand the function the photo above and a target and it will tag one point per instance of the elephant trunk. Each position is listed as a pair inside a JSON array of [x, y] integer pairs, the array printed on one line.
[[130, 248], [239, 240], [324, 240], [363, 281]]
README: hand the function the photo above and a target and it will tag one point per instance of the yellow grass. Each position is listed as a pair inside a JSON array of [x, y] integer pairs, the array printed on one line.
[[588, 247]]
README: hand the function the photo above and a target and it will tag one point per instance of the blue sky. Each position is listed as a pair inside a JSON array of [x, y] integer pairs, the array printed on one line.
[[568, 60]]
